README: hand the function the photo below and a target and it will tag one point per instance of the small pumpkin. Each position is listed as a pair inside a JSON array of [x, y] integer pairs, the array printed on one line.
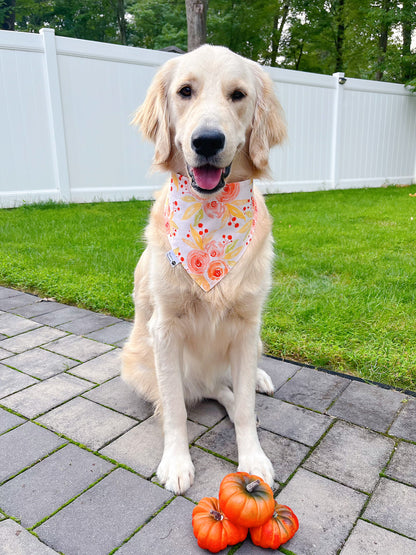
[[213, 530], [279, 529], [246, 499]]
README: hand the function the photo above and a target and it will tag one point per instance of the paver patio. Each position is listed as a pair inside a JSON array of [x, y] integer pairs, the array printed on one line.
[[79, 450]]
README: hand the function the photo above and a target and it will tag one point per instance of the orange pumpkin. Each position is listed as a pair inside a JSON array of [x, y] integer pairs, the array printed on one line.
[[246, 499], [279, 529], [213, 530]]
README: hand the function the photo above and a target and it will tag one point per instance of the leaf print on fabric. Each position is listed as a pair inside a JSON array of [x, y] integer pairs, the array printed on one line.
[[191, 210], [236, 211]]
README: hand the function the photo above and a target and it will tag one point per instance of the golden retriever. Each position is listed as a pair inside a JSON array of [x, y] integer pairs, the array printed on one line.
[[213, 118]]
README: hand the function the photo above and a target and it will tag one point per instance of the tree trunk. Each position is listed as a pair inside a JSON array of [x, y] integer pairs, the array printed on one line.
[[383, 39], [406, 17], [121, 21], [339, 39], [196, 18], [9, 7], [277, 33]]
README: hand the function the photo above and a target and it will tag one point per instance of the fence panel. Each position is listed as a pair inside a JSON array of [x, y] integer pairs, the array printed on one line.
[[65, 107]]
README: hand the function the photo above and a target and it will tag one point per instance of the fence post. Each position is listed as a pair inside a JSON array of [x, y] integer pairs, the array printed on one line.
[[56, 119], [336, 128]]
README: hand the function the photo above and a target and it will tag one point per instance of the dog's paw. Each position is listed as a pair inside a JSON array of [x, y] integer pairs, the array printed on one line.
[[176, 473], [264, 383], [258, 464]]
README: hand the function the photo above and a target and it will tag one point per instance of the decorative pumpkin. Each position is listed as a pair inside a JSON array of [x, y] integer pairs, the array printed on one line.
[[246, 499], [212, 529], [279, 529]]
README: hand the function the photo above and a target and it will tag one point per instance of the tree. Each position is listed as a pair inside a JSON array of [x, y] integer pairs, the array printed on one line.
[[7, 14], [196, 17]]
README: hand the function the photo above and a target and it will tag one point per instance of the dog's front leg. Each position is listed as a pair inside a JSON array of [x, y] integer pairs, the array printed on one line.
[[244, 354], [175, 470]]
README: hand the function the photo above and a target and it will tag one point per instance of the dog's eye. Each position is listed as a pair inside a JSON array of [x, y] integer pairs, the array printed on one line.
[[185, 92], [237, 95]]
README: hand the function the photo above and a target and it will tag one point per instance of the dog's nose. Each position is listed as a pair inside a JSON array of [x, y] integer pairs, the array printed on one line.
[[208, 142]]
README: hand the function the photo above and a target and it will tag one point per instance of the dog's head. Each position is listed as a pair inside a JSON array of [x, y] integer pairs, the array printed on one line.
[[212, 115]]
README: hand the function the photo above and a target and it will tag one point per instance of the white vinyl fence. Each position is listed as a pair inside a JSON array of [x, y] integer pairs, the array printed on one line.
[[66, 104]]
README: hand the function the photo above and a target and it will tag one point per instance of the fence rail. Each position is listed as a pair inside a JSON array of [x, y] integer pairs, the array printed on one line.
[[65, 107]]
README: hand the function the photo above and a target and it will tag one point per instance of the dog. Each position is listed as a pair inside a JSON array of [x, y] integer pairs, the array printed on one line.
[[213, 117]]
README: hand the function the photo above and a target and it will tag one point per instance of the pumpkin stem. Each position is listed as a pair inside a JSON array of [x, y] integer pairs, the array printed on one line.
[[217, 515], [252, 485]]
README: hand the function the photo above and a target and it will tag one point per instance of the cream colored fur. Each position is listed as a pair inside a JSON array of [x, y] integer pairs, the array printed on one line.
[[187, 344]]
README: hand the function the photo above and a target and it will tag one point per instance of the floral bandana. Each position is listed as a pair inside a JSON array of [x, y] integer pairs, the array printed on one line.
[[208, 236]]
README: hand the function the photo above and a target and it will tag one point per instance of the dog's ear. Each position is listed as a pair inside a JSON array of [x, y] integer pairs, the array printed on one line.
[[153, 116], [269, 127]]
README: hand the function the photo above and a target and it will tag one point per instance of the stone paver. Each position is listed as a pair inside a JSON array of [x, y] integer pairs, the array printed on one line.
[[15, 540], [101, 368], [86, 422], [279, 371], [37, 309], [393, 506], [209, 471], [23, 446], [10, 324], [10, 303], [207, 413], [285, 454], [9, 420], [367, 539], [104, 516], [293, 422], [78, 348], [172, 527], [405, 424], [31, 339], [87, 324], [3, 352], [141, 448], [45, 395], [116, 395], [368, 405], [343, 451], [53, 482], [326, 510], [402, 466], [312, 389], [351, 455], [12, 380], [40, 363], [115, 334], [65, 314]]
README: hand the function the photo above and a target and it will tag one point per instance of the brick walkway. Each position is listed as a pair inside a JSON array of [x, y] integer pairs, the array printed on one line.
[[79, 451]]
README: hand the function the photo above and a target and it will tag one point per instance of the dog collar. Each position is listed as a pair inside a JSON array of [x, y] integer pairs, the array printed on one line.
[[208, 236]]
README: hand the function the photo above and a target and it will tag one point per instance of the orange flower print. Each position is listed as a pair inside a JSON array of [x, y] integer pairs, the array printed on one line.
[[197, 261], [214, 209], [215, 249], [217, 269], [229, 192]]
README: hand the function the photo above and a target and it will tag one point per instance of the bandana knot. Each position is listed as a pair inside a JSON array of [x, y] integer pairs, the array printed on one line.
[[208, 236]]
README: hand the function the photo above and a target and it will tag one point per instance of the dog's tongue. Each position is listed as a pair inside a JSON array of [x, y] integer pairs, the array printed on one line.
[[207, 177]]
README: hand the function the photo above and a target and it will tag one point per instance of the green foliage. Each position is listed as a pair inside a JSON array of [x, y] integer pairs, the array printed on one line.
[[157, 24], [368, 39]]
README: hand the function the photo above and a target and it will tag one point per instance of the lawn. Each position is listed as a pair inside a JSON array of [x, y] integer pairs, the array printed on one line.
[[344, 287]]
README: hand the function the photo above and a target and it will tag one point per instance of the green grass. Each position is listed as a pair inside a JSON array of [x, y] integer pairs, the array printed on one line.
[[344, 287]]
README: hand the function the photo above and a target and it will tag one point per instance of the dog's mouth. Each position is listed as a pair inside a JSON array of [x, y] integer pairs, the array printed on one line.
[[207, 178]]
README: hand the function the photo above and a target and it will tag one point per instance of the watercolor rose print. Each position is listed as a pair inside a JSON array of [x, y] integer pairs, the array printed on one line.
[[209, 235]]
